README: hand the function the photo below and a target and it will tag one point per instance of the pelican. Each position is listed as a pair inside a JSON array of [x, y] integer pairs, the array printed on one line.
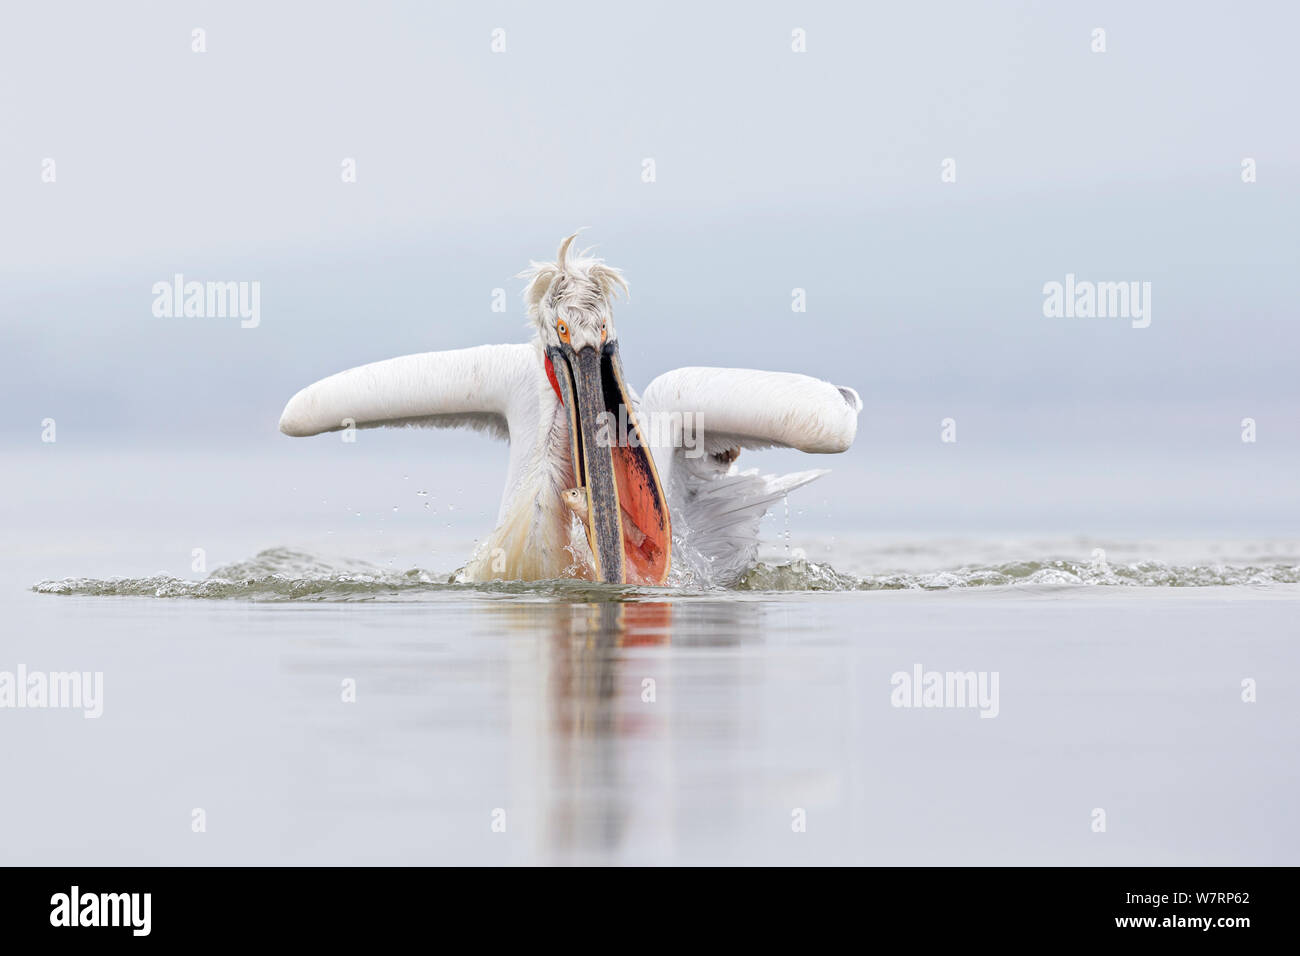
[[601, 485]]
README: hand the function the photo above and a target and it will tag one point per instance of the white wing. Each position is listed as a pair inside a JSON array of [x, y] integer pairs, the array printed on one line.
[[492, 388], [697, 421], [477, 388]]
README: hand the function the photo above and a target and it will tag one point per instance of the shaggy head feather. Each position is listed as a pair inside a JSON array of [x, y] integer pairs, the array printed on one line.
[[576, 290]]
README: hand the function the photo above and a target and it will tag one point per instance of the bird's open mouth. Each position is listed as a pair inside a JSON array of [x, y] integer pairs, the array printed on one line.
[[627, 517]]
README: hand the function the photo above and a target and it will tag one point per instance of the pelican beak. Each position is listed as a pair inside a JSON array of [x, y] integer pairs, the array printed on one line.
[[627, 516]]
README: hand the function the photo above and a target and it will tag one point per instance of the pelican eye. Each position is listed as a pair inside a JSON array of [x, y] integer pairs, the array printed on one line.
[[563, 330], [603, 330]]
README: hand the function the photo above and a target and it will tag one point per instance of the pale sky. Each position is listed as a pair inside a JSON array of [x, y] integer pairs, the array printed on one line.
[[775, 170]]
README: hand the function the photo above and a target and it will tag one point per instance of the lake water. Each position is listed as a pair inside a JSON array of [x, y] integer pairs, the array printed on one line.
[[570, 723], [1114, 535]]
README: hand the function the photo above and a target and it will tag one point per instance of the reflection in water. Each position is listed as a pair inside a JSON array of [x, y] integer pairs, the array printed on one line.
[[596, 753], [593, 731], [586, 806], [584, 811], [534, 712]]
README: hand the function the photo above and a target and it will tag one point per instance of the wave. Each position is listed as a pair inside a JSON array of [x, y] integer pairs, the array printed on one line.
[[281, 574], [807, 576]]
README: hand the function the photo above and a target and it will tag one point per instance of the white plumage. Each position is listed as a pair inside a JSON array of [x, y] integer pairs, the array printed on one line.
[[717, 508], [696, 420]]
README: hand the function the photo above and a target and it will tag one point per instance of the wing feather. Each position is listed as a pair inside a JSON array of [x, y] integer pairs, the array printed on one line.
[[698, 420], [753, 409], [480, 388]]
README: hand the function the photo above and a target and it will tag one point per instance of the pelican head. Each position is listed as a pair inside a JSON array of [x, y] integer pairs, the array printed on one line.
[[570, 304], [570, 300]]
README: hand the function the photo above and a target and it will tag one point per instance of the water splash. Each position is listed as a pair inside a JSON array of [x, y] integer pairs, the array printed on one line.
[[811, 576], [280, 574]]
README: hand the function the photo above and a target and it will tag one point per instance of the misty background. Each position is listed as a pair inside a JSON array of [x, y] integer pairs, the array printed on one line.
[[775, 170]]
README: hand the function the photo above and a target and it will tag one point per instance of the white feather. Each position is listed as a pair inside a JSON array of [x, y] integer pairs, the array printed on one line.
[[699, 418], [503, 390], [478, 387], [498, 389]]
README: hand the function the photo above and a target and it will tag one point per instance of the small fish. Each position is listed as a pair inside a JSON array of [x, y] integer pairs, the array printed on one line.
[[575, 499]]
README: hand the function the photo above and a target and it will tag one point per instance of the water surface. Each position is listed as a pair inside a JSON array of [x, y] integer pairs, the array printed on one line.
[[611, 725]]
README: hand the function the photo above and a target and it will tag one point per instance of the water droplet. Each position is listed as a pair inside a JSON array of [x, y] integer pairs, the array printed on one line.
[[394, 507], [785, 500], [423, 494]]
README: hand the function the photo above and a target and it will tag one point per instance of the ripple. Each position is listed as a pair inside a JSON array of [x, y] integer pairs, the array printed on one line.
[[281, 574]]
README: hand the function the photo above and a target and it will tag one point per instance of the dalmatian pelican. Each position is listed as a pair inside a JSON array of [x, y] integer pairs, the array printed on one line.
[[600, 485]]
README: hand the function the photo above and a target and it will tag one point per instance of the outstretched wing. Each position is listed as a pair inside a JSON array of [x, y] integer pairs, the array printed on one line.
[[698, 421], [488, 387], [496, 389]]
